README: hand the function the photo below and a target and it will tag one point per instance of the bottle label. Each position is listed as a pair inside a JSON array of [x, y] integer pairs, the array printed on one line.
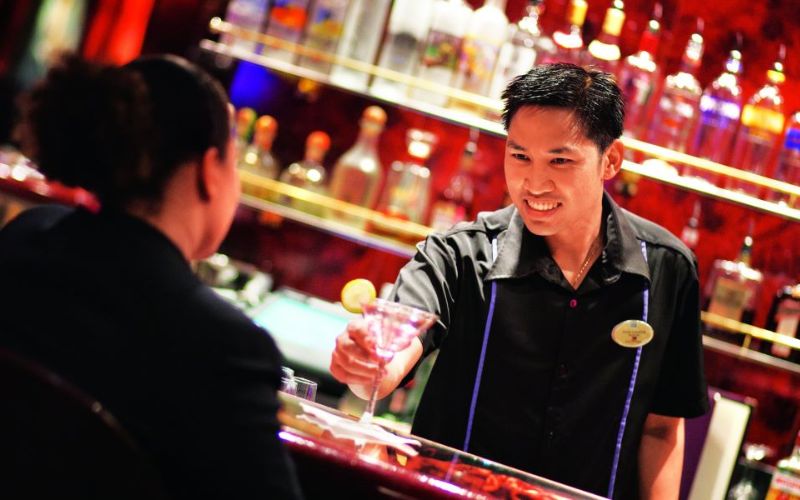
[[577, 12], [477, 63], [441, 50], [792, 139], [729, 298], [614, 21], [784, 487], [787, 317], [712, 106], [762, 118]]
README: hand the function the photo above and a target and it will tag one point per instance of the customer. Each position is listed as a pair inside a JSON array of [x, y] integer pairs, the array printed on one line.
[[108, 299], [546, 359]]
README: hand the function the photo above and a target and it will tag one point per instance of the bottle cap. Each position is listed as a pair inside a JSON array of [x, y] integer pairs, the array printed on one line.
[[265, 130], [615, 18], [318, 140], [776, 73], [374, 114], [244, 120]]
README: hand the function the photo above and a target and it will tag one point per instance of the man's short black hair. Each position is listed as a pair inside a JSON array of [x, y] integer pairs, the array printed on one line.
[[592, 95]]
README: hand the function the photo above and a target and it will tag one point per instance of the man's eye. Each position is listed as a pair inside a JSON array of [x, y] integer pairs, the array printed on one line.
[[519, 156], [560, 161]]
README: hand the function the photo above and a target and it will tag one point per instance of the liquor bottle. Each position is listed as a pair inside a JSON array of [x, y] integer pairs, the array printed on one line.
[[454, 203], [245, 119], [690, 235], [569, 42], [760, 128], [733, 287], [785, 484], [677, 105], [407, 191], [309, 173], [287, 18], [357, 174], [604, 50], [784, 318], [408, 25], [720, 107], [788, 169], [638, 75], [247, 14], [486, 33], [257, 157], [322, 33], [442, 47], [361, 36], [526, 46]]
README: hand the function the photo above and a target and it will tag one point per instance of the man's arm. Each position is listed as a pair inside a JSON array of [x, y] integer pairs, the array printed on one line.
[[661, 457]]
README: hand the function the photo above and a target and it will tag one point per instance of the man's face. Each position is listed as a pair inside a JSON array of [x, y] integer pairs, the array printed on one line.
[[553, 172]]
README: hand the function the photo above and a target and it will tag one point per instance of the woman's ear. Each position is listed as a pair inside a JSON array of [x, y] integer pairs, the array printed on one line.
[[208, 173], [613, 159]]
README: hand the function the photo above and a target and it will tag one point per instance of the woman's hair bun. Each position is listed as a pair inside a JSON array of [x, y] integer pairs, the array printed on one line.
[[88, 125]]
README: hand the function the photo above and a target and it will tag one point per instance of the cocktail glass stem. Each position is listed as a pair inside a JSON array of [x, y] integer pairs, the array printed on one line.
[[369, 411]]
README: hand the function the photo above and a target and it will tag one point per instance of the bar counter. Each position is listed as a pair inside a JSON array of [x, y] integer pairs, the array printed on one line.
[[334, 466]]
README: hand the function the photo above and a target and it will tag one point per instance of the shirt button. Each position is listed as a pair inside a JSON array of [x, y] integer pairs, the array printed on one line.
[[563, 371], [573, 303], [551, 435]]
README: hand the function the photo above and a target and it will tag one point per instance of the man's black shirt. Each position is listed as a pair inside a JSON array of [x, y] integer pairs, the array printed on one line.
[[554, 383]]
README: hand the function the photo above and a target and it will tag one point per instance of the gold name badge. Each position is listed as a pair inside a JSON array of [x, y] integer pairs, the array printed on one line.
[[632, 333]]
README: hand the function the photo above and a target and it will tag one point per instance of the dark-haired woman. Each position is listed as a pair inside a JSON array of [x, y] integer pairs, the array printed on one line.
[[108, 299]]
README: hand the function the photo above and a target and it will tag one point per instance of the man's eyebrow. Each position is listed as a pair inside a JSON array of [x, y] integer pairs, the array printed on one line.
[[514, 145], [562, 149]]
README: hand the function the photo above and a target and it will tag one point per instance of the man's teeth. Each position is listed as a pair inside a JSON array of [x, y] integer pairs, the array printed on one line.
[[542, 205]]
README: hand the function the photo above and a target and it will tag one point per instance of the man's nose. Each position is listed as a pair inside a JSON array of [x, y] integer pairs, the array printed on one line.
[[538, 181]]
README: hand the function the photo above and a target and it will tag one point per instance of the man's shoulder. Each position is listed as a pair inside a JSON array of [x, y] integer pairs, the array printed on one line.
[[658, 236]]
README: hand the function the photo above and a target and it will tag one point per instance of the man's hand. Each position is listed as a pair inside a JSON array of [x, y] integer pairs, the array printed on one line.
[[661, 457], [355, 363]]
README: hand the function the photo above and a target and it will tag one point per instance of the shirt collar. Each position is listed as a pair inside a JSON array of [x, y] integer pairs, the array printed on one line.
[[521, 253]]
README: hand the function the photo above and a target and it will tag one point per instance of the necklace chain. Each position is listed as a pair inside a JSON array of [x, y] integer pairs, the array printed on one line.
[[589, 256]]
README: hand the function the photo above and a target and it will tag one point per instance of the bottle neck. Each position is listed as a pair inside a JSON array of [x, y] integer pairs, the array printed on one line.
[[649, 41], [530, 23], [499, 4], [314, 155], [745, 254], [368, 138]]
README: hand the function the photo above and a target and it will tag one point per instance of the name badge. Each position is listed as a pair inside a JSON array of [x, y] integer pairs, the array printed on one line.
[[632, 333]]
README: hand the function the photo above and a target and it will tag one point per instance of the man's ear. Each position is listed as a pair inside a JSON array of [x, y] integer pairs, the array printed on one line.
[[613, 159], [208, 174]]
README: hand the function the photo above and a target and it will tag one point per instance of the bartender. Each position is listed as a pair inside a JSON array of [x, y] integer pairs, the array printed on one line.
[[569, 334]]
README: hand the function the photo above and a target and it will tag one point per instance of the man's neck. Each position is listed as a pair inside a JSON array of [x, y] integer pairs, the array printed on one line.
[[575, 251]]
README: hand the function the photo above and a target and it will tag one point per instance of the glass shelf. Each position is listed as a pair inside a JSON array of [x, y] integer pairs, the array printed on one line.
[[494, 127]]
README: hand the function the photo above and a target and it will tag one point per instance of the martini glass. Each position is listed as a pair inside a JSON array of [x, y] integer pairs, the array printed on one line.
[[392, 326]]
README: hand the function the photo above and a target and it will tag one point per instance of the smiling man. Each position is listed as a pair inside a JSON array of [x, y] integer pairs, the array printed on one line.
[[569, 331]]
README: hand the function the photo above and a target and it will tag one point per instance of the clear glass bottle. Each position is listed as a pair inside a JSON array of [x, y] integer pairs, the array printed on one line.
[[760, 128], [784, 318], [604, 51], [746, 488], [732, 289], [486, 33], [361, 38], [323, 31], [309, 173], [408, 26], [526, 46], [677, 105], [442, 47], [287, 19], [357, 174], [569, 41], [638, 76], [785, 484], [720, 107], [455, 203], [788, 169], [257, 158], [247, 14], [407, 191]]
